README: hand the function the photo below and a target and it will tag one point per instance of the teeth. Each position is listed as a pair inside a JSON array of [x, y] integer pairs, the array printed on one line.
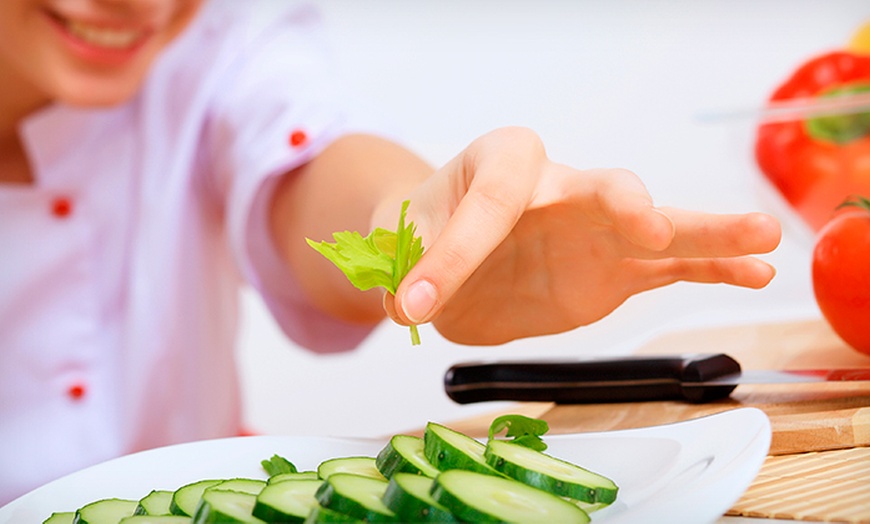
[[104, 37]]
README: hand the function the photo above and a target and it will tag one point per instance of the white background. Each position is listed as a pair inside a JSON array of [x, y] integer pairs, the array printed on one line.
[[606, 84]]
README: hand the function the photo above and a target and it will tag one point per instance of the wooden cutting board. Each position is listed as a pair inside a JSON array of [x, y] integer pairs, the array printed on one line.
[[804, 417]]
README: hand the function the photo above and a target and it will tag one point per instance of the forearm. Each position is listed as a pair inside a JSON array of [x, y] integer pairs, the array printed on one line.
[[340, 190]]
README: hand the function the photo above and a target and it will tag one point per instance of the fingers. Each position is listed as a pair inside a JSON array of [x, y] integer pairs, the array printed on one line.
[[626, 204], [746, 272], [497, 174], [708, 235]]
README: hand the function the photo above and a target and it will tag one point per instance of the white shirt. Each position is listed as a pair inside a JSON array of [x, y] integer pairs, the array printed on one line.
[[120, 267]]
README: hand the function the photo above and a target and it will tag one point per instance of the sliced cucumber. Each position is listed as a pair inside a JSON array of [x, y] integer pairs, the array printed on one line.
[[287, 501], [447, 449], [252, 486], [408, 497], [155, 519], [226, 507], [299, 475], [60, 517], [186, 498], [545, 472], [155, 503], [404, 453], [477, 497], [355, 495], [105, 511], [321, 515], [364, 466]]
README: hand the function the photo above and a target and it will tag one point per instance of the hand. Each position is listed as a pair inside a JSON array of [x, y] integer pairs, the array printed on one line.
[[518, 245]]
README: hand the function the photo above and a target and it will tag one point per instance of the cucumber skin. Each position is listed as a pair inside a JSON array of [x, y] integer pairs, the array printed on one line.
[[174, 507], [269, 513], [81, 518], [389, 461], [330, 499], [409, 508], [445, 456], [60, 517], [148, 502], [321, 515], [466, 513], [536, 479], [205, 515]]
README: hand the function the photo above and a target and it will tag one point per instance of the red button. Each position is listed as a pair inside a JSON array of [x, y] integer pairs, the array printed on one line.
[[76, 391], [61, 207], [297, 138]]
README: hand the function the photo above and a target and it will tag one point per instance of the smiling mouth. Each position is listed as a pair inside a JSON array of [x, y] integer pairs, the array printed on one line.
[[100, 36], [104, 37]]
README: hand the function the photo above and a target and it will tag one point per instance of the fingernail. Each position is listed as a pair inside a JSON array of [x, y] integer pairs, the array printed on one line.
[[419, 301]]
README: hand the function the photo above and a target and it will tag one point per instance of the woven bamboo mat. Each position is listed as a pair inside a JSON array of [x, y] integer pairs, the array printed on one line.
[[824, 486]]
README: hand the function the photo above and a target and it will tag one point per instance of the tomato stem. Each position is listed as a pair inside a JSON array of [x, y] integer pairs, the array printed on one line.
[[856, 201]]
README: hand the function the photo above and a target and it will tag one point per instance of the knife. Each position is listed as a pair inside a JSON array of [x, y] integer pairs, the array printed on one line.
[[694, 378]]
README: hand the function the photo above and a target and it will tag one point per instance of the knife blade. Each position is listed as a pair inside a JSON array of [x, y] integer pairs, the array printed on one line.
[[694, 378]]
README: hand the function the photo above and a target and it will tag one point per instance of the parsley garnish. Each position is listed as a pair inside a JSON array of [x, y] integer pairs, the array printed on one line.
[[277, 465], [383, 258], [526, 431]]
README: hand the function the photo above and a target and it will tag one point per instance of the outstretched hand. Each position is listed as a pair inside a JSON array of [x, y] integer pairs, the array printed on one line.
[[518, 245]]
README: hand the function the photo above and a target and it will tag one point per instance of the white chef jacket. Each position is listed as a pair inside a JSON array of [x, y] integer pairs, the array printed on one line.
[[120, 267]]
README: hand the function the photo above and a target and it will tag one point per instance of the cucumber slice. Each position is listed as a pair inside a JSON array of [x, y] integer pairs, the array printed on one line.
[[447, 449], [105, 511], [287, 501], [155, 503], [155, 519], [545, 472], [186, 498], [408, 497], [60, 517], [404, 453], [321, 515], [252, 486], [364, 466], [355, 495], [477, 497], [226, 507], [299, 475]]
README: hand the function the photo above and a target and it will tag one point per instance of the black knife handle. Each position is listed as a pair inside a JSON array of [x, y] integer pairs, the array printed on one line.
[[629, 379]]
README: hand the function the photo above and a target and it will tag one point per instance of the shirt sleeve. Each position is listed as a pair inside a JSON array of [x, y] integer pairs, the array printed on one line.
[[281, 105]]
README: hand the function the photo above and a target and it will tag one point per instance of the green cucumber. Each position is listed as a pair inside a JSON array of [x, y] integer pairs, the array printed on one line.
[[477, 497], [226, 507], [447, 449], [545, 472], [321, 515], [60, 517], [408, 497], [186, 498], [298, 475], [355, 495], [155, 519], [156, 502], [364, 466], [287, 501], [404, 453], [243, 485], [105, 511]]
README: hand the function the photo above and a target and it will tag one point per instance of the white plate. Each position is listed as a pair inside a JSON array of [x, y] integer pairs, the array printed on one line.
[[685, 472]]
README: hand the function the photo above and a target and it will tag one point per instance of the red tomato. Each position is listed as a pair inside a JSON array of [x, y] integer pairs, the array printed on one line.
[[841, 274]]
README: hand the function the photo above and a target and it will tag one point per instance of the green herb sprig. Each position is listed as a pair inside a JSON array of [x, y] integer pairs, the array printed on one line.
[[381, 259], [524, 430]]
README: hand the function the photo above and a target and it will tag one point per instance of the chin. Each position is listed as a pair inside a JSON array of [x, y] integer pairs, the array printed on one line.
[[97, 94]]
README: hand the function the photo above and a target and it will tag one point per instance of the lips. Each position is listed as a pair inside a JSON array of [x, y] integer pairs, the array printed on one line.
[[105, 42], [104, 37]]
